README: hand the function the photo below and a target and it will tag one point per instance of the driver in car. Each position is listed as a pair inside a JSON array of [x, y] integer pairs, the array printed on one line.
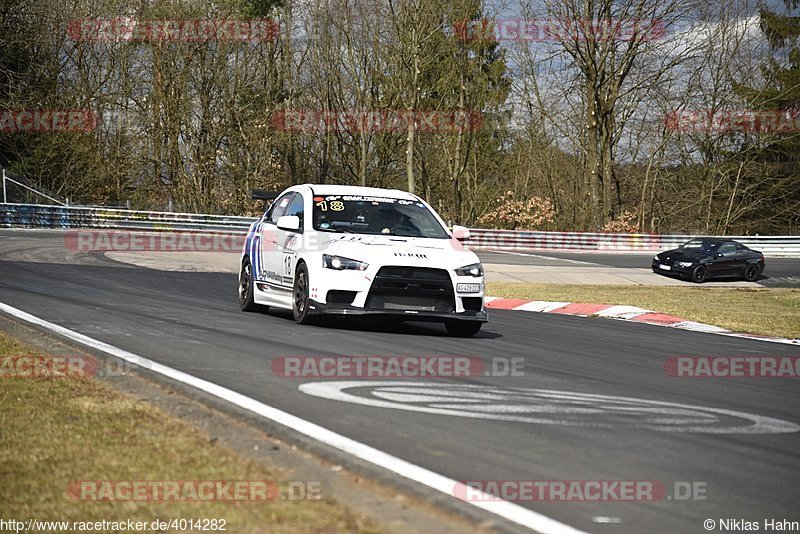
[[396, 220]]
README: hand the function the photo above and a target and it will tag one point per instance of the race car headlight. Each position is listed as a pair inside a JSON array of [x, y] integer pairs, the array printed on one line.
[[685, 264], [475, 270], [340, 263], [656, 258]]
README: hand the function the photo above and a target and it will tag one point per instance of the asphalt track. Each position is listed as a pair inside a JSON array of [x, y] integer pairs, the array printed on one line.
[[191, 322]]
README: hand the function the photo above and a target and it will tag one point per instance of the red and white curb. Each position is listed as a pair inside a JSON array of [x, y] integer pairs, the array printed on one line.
[[624, 313]]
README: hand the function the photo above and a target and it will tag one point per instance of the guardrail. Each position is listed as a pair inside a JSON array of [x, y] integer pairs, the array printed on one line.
[[43, 216], [513, 240]]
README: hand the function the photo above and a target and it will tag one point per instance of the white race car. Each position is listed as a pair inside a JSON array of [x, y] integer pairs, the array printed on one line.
[[342, 250]]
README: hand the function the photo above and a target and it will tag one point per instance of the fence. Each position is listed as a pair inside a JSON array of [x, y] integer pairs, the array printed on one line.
[[16, 190], [42, 216]]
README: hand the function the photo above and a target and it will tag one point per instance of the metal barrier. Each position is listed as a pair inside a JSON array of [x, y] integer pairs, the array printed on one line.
[[512, 240], [43, 216]]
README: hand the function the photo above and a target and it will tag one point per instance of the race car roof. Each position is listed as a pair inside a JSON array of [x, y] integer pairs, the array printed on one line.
[[328, 189]]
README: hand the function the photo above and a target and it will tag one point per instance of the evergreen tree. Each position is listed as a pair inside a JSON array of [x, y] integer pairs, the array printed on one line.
[[780, 153]]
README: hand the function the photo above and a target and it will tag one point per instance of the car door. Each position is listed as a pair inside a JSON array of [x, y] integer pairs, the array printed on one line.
[[724, 260], [742, 255], [290, 241], [254, 245], [270, 264]]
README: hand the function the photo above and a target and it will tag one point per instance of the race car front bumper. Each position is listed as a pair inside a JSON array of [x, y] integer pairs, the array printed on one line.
[[401, 291], [673, 269], [318, 308]]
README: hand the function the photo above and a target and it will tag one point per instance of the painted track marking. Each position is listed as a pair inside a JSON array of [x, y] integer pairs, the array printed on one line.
[[548, 407]]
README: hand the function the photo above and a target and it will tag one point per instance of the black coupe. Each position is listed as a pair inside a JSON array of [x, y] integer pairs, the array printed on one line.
[[703, 258]]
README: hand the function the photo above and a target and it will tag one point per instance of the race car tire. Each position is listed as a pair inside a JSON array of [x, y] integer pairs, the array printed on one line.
[[699, 274], [246, 302], [462, 328], [751, 272], [300, 296]]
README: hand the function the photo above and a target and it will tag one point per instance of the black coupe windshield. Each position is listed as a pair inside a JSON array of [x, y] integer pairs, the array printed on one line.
[[376, 216], [698, 245]]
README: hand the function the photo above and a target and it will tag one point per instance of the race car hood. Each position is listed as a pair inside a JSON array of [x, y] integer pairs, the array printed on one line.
[[398, 250], [683, 255]]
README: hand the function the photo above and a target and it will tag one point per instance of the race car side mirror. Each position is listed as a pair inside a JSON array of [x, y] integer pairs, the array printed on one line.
[[289, 222], [460, 232]]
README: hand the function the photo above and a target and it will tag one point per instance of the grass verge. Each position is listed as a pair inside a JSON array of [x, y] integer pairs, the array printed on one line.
[[770, 312], [58, 430]]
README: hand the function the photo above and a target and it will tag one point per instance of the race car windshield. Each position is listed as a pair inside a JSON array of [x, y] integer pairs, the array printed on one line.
[[375, 216], [701, 246]]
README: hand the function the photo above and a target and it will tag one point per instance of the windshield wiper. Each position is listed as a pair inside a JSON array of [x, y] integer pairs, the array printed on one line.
[[335, 230]]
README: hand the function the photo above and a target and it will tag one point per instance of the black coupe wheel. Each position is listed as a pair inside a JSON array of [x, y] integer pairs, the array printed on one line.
[[300, 296], [751, 272], [246, 302], [462, 328], [699, 274]]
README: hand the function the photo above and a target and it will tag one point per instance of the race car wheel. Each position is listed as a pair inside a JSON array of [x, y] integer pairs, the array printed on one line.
[[246, 302], [300, 296], [699, 274], [751, 272], [462, 328]]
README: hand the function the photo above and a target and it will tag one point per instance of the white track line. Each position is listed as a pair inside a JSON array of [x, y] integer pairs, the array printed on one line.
[[507, 510]]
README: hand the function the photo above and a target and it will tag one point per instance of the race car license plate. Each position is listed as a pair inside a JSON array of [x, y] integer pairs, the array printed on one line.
[[468, 288], [664, 267]]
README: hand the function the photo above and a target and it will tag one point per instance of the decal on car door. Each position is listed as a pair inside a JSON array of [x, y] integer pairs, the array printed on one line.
[[288, 266]]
